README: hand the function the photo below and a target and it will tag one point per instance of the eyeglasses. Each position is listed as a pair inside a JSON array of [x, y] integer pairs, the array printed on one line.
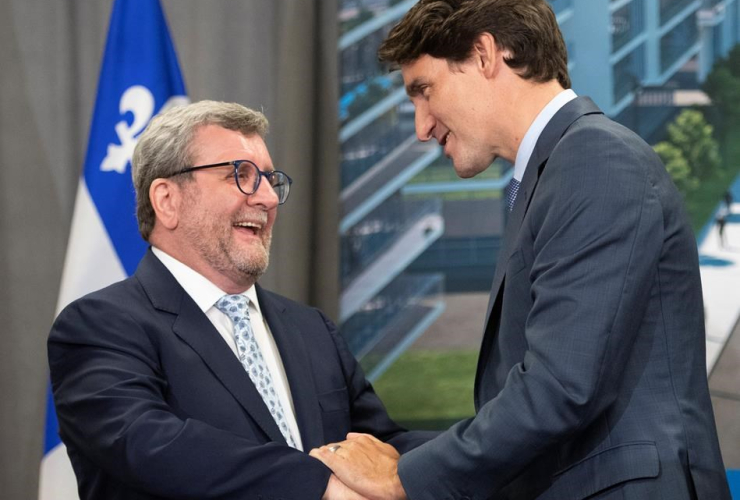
[[248, 177]]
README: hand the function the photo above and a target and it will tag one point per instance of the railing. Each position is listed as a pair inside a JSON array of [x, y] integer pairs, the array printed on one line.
[[677, 42], [627, 22], [361, 152], [711, 14], [670, 8], [379, 230], [384, 179], [629, 73], [360, 63], [375, 23], [389, 324], [390, 263], [367, 94]]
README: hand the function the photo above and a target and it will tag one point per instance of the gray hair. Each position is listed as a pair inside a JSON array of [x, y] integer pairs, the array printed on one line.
[[163, 149]]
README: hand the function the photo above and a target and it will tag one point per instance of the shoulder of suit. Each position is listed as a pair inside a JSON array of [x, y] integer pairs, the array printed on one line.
[[593, 145], [594, 130], [297, 309], [282, 300], [117, 296]]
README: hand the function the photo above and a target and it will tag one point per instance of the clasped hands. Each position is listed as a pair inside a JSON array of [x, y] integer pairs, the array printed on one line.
[[363, 468]]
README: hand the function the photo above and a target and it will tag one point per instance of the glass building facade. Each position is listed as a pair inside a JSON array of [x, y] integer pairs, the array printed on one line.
[[383, 307]]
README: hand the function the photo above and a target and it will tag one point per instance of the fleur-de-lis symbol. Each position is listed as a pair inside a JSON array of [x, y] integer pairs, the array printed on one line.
[[139, 101]]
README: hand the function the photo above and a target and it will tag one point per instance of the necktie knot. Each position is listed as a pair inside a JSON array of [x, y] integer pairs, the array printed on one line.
[[235, 307]]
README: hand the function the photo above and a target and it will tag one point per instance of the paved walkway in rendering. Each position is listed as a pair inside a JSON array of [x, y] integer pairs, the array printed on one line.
[[720, 275]]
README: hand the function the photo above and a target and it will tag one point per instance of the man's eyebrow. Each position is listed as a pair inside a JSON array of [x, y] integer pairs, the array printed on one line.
[[414, 88]]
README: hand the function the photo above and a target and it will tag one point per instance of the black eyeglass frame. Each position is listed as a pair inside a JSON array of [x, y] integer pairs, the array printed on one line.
[[236, 163]]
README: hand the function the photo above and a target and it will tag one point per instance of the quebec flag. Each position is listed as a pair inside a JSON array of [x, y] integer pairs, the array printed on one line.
[[140, 77]]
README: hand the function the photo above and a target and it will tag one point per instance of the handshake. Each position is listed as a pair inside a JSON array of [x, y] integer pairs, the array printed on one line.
[[363, 468]]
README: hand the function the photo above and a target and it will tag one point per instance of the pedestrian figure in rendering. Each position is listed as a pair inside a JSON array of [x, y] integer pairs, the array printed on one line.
[[721, 221]]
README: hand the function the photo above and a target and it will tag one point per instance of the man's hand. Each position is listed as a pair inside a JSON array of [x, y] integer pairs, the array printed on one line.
[[365, 464], [337, 490]]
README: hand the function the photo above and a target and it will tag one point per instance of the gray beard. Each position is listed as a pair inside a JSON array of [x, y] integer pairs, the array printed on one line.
[[252, 268]]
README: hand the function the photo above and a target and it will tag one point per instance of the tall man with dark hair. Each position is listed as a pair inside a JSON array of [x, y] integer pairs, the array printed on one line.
[[189, 380], [591, 381]]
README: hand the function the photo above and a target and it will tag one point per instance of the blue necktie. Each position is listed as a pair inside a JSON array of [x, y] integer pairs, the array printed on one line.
[[510, 193], [250, 356]]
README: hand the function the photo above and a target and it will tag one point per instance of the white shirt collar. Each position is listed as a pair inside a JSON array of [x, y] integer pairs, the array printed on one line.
[[538, 125], [201, 290]]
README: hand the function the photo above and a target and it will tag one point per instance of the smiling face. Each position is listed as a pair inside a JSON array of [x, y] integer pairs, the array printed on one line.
[[227, 233], [454, 105]]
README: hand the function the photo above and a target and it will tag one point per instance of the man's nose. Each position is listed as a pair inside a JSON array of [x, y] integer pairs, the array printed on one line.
[[424, 123], [265, 196]]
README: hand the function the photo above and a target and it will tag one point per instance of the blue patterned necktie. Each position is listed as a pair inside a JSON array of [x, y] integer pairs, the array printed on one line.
[[510, 193], [250, 355]]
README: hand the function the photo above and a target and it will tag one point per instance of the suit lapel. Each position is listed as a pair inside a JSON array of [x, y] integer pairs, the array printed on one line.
[[195, 329], [526, 190], [529, 182], [294, 354], [547, 141]]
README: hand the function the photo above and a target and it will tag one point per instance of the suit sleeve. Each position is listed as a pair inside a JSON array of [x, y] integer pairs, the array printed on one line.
[[110, 398], [596, 226], [368, 415]]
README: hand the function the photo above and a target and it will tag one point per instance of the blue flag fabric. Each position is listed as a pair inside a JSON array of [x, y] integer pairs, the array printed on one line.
[[51, 434], [733, 476], [139, 77]]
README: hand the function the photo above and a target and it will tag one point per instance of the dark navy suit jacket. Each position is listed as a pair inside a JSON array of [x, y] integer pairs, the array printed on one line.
[[591, 381], [152, 403]]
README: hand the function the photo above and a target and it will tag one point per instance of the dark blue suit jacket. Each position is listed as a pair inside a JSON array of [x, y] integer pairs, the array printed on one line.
[[152, 403], [591, 381]]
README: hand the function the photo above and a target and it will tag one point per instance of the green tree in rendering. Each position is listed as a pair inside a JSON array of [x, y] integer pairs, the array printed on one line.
[[677, 166], [722, 85], [691, 154], [732, 61], [723, 89], [694, 137]]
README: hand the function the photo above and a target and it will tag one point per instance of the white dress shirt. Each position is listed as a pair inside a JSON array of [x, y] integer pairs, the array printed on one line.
[[538, 125], [205, 294]]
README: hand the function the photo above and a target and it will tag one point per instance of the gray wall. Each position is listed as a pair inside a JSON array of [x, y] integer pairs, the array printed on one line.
[[278, 56]]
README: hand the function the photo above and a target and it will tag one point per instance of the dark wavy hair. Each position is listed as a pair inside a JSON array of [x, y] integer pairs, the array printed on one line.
[[447, 29]]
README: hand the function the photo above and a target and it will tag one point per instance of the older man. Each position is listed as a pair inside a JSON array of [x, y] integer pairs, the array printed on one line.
[[188, 380], [591, 380]]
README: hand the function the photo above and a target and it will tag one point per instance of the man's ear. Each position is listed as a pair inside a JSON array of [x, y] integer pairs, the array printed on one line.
[[488, 57], [166, 199]]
